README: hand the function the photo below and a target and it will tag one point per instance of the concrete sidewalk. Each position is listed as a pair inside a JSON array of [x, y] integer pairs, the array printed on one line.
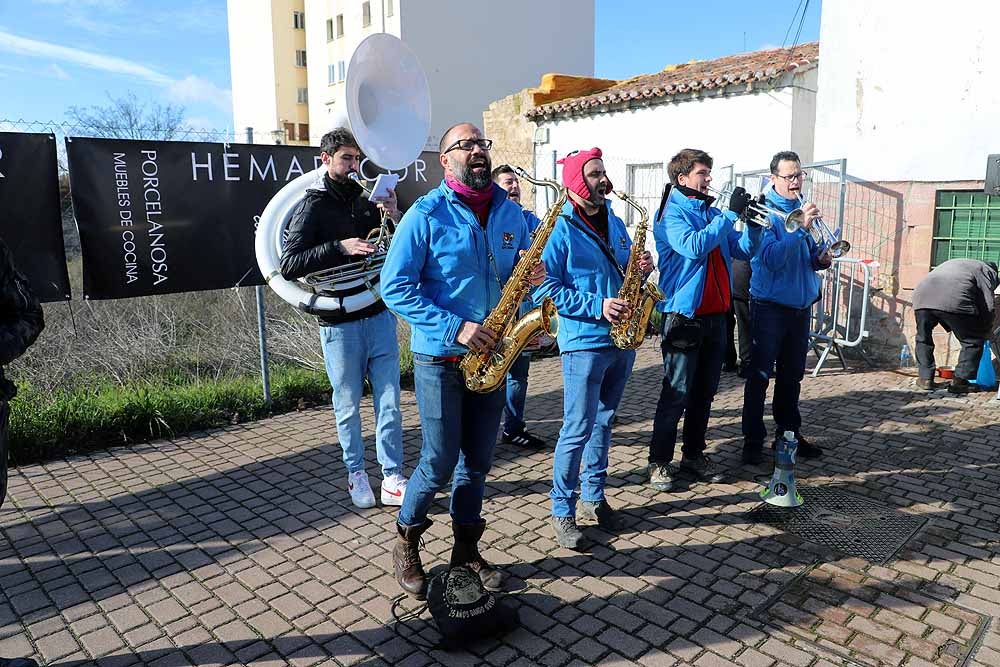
[[241, 546]]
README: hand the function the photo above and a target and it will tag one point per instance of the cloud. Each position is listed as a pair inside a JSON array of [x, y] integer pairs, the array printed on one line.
[[35, 48], [57, 72], [196, 89], [191, 88]]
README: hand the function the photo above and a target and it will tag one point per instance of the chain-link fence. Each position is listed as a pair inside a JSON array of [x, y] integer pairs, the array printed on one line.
[[190, 336]]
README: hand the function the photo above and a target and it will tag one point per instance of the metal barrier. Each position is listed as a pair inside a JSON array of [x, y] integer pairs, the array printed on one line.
[[840, 317]]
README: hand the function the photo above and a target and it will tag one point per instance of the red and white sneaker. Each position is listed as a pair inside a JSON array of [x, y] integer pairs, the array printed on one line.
[[360, 489], [393, 489]]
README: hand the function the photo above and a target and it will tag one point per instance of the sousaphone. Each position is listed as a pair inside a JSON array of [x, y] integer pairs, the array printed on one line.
[[386, 104]]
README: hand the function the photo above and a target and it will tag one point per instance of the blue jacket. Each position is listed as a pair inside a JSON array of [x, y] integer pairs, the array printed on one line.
[[784, 267], [438, 272], [686, 233], [580, 276], [531, 219]]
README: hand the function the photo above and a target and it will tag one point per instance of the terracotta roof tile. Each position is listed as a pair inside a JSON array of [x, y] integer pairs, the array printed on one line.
[[743, 68]]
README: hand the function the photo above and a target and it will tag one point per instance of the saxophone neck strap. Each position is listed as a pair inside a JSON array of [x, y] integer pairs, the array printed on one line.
[[605, 248]]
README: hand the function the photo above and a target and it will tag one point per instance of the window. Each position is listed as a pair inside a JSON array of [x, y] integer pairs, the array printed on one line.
[[331, 74], [645, 182], [289, 131], [303, 131], [366, 14], [299, 20], [389, 7], [966, 225], [341, 70], [329, 30], [340, 25], [303, 96], [300, 57]]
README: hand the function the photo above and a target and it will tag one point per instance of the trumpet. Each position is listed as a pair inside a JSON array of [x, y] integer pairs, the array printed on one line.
[[822, 235], [792, 222]]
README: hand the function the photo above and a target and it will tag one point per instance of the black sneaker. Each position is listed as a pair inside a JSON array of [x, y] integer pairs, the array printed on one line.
[[601, 512], [927, 384], [806, 449], [701, 468], [753, 453], [523, 439], [567, 534], [661, 476]]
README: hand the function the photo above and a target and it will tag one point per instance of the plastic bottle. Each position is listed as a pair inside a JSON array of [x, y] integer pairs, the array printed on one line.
[[905, 361]]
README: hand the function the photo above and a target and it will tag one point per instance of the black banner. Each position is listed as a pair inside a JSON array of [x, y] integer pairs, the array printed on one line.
[[30, 211], [158, 217]]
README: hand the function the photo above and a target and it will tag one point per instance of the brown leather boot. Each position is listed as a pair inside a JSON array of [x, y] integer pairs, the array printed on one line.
[[466, 552], [406, 560]]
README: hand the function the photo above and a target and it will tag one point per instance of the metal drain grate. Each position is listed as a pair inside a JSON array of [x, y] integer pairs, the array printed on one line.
[[848, 523]]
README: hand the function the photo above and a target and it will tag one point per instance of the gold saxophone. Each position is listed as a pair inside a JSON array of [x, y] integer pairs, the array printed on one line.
[[486, 371], [640, 294]]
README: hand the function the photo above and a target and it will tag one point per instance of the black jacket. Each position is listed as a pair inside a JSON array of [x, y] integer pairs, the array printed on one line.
[[21, 317], [322, 218]]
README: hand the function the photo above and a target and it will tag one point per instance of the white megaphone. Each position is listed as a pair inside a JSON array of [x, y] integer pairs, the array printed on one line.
[[386, 103], [781, 491]]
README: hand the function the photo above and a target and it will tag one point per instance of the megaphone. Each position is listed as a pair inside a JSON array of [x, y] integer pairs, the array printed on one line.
[[781, 491]]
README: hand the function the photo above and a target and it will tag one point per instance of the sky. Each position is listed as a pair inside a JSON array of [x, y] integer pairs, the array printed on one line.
[[60, 53]]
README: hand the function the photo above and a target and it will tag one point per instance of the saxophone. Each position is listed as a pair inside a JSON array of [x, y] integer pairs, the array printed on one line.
[[640, 294], [486, 371]]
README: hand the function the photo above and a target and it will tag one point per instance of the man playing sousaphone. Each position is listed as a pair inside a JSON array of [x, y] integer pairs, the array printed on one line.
[[328, 229], [450, 259], [584, 262]]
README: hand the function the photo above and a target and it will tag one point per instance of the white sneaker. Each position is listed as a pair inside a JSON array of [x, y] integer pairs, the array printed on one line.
[[360, 489], [393, 489]]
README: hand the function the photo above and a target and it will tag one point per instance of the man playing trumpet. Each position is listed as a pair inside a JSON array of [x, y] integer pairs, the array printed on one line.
[[696, 244], [783, 288]]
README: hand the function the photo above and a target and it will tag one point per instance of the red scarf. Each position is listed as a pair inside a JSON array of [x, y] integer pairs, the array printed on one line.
[[478, 200]]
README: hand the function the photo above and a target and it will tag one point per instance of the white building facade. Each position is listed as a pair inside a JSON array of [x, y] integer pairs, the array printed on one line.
[[472, 52], [267, 52], [907, 91]]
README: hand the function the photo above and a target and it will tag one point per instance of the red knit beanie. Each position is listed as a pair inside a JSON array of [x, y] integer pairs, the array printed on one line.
[[572, 174]]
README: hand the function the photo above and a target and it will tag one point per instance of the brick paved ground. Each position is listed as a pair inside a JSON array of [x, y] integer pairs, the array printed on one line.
[[241, 546]]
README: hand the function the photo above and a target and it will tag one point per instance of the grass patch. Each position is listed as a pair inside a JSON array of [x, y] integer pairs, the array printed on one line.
[[45, 426]]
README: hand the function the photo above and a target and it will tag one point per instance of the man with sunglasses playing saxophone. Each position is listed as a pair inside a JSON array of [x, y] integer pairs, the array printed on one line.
[[328, 229], [452, 255], [783, 288]]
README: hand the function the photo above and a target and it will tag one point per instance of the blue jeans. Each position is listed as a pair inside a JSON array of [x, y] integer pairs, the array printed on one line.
[[459, 433], [779, 346], [353, 351], [690, 380], [593, 384], [517, 390]]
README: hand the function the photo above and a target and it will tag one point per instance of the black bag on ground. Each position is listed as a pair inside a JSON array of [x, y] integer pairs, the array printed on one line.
[[465, 611]]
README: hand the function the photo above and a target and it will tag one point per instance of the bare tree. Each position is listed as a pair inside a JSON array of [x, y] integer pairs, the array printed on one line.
[[127, 118]]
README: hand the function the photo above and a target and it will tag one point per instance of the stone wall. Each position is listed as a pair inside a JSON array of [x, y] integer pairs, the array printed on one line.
[[513, 136]]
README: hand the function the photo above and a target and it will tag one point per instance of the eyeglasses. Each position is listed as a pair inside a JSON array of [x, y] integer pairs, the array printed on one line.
[[469, 144], [797, 176]]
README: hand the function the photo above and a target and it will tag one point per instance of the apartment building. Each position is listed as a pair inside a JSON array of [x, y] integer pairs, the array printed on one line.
[[472, 52], [268, 58]]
